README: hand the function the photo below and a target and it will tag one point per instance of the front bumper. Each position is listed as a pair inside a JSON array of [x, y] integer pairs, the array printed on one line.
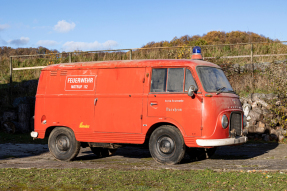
[[221, 142]]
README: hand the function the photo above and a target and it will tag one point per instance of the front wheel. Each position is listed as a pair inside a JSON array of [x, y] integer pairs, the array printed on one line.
[[166, 145], [63, 144]]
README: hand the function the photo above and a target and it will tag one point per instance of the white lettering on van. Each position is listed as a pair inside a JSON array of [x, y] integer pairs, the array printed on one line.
[[80, 83], [76, 86], [173, 109], [177, 100], [80, 80], [174, 100]]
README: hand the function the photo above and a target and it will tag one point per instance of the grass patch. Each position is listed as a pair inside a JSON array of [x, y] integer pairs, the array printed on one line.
[[100, 179], [20, 138]]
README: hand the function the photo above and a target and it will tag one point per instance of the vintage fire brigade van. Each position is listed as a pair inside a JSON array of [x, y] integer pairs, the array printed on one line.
[[172, 105]]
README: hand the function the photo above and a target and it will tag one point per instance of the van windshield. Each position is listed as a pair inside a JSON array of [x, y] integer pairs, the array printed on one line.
[[213, 80]]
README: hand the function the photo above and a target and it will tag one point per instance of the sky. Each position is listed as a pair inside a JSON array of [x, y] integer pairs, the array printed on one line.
[[89, 25]]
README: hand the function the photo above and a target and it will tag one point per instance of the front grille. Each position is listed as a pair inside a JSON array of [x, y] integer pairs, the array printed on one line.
[[235, 124]]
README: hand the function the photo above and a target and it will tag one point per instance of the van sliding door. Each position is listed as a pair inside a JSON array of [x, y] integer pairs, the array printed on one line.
[[119, 95]]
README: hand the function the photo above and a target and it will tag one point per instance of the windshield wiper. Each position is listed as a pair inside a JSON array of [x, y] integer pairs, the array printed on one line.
[[219, 90]]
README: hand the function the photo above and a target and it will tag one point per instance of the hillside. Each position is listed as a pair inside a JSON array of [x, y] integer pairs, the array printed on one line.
[[212, 37]]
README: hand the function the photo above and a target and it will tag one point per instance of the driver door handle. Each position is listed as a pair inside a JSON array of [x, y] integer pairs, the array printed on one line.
[[152, 104]]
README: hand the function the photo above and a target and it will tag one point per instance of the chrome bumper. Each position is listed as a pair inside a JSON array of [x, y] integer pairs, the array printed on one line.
[[221, 142]]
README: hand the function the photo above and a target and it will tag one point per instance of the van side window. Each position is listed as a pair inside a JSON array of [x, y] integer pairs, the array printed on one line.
[[189, 80], [175, 80], [158, 80]]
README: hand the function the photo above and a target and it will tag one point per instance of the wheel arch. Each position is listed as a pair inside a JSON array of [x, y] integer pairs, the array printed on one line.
[[157, 125], [51, 128]]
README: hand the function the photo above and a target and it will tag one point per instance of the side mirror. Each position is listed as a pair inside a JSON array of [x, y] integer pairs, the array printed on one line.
[[191, 90]]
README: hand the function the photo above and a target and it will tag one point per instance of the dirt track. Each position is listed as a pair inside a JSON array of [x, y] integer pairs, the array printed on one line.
[[259, 156]]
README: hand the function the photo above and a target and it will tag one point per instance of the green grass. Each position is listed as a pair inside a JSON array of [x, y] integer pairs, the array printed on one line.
[[100, 179], [20, 138]]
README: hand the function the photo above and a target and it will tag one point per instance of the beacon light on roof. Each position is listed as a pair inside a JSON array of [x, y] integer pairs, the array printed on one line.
[[196, 53]]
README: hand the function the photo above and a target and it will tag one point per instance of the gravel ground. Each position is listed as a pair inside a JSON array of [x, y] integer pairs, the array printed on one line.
[[251, 156]]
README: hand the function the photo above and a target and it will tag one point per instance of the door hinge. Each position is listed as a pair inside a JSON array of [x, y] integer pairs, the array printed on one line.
[[141, 116]]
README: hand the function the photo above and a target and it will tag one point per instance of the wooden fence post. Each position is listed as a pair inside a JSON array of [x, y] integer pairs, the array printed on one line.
[[131, 56], [10, 85], [70, 58]]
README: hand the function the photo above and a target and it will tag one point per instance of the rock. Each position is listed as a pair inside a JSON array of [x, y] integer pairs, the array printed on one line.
[[273, 131], [243, 100], [252, 129], [270, 96], [265, 111], [242, 69], [278, 61], [258, 96], [264, 66], [273, 137], [255, 116], [246, 109], [257, 110], [248, 118], [266, 138], [262, 103], [260, 130], [254, 105], [269, 116], [249, 67], [261, 125], [252, 122], [280, 138], [256, 66], [236, 68], [278, 103]]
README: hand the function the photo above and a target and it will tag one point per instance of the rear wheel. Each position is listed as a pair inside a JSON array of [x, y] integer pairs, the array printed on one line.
[[63, 144], [166, 145], [103, 152]]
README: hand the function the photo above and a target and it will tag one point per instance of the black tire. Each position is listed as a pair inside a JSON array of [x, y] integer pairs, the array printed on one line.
[[63, 144], [166, 145], [103, 152]]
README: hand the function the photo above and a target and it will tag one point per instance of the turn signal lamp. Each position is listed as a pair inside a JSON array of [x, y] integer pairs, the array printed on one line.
[[196, 53]]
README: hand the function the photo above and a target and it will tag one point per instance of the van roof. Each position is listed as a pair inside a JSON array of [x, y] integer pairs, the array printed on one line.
[[129, 64]]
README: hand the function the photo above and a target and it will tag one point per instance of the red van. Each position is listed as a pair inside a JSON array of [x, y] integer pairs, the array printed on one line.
[[172, 105]]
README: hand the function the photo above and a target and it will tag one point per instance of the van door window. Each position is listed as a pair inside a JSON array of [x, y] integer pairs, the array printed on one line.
[[158, 81], [175, 80], [189, 80], [167, 80]]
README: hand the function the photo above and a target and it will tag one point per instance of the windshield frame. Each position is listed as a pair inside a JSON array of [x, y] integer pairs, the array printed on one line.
[[199, 76]]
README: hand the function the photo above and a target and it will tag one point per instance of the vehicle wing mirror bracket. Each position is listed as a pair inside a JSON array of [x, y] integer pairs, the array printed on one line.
[[191, 90]]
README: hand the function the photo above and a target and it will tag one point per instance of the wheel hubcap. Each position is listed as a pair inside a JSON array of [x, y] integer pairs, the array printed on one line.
[[165, 145], [63, 143]]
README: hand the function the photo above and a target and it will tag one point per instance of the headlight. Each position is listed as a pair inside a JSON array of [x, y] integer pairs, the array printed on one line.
[[224, 121], [244, 121]]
